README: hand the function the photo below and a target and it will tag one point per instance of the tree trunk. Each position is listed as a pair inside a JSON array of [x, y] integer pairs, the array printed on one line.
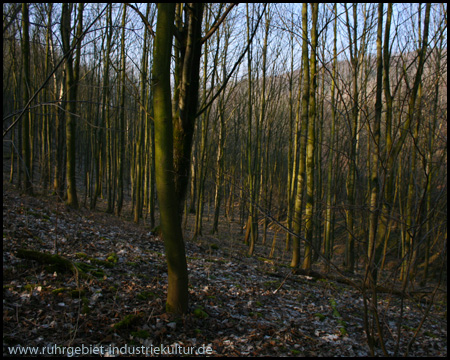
[[298, 206], [121, 147], [71, 96], [351, 176], [374, 174], [186, 102], [99, 143], [328, 232], [311, 142], [177, 295], [27, 120]]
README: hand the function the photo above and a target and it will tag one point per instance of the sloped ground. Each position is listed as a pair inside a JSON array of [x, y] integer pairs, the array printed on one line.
[[239, 307]]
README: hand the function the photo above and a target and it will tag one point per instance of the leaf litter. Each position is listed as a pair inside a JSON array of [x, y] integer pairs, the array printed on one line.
[[237, 308]]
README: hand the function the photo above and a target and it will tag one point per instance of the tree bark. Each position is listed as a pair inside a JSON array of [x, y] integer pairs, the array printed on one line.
[[72, 74], [311, 143], [177, 295], [302, 153], [185, 108], [26, 122]]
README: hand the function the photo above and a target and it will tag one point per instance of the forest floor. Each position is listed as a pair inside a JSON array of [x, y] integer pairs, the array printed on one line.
[[239, 305]]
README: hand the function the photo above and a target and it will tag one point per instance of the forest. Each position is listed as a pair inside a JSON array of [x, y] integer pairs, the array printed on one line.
[[226, 179]]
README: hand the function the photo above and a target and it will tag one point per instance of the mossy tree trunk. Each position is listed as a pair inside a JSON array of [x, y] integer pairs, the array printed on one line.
[[177, 295], [302, 154], [394, 148], [311, 143], [72, 75]]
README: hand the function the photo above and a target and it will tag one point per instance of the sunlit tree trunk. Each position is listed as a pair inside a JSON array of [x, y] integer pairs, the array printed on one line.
[[394, 151], [177, 294], [310, 144], [298, 206]]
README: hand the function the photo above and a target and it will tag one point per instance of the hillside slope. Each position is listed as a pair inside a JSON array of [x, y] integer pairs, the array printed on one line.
[[238, 306]]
